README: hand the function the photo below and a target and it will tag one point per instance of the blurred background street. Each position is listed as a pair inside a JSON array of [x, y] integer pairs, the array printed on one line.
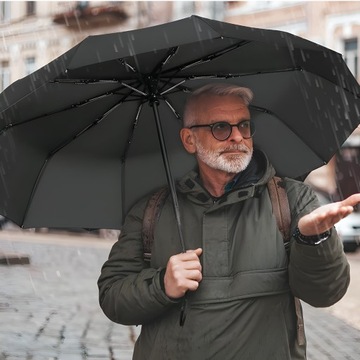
[[49, 308]]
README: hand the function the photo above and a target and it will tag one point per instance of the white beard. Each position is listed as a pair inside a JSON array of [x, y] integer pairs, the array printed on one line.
[[234, 163]]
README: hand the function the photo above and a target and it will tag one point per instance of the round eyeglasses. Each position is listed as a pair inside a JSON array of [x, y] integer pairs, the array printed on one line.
[[222, 130]]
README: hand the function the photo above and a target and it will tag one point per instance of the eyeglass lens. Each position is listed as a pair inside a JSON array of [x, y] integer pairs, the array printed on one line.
[[222, 130]]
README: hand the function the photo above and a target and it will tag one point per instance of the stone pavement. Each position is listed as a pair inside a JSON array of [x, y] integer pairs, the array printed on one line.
[[49, 309], [330, 338]]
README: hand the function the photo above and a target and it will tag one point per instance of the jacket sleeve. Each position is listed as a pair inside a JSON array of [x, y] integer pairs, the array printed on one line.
[[130, 292], [318, 275]]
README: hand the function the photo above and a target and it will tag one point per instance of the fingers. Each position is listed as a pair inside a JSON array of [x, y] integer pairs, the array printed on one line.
[[197, 251], [189, 255], [323, 218], [183, 273], [335, 214], [352, 200], [178, 282]]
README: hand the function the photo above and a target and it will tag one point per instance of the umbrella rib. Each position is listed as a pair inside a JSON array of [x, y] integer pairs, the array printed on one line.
[[83, 81], [171, 107], [215, 55], [124, 63], [229, 75], [212, 56], [70, 81], [203, 60], [234, 75], [173, 87], [134, 89], [131, 135], [100, 81], [82, 103], [179, 86], [172, 52], [33, 190], [72, 106]]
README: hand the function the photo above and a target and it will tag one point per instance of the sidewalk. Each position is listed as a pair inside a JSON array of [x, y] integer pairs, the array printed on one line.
[[328, 337], [49, 309]]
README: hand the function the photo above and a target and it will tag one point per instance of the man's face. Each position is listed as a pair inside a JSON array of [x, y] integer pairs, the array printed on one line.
[[231, 155]]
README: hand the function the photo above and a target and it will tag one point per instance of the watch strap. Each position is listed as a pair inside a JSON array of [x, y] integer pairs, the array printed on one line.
[[311, 240]]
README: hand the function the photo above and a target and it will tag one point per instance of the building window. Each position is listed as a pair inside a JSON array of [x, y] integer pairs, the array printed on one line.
[[351, 50], [30, 65], [30, 8], [4, 11], [4, 75]]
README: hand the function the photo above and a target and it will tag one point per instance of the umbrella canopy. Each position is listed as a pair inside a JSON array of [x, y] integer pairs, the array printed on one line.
[[86, 136]]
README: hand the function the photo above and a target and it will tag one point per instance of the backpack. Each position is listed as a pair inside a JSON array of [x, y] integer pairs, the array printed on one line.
[[281, 210]]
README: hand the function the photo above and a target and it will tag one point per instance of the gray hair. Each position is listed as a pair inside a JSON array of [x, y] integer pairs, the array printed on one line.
[[221, 89]]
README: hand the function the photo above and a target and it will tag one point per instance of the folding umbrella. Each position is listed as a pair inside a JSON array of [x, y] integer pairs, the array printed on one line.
[[89, 134]]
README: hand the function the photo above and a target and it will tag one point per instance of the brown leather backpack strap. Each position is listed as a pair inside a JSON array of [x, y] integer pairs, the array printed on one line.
[[280, 205], [300, 331], [281, 210], [151, 216]]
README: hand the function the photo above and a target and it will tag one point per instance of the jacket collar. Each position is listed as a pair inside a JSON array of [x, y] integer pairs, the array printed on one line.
[[249, 183], [252, 174]]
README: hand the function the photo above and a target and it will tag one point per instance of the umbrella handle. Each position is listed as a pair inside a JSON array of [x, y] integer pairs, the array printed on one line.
[[170, 178], [183, 311]]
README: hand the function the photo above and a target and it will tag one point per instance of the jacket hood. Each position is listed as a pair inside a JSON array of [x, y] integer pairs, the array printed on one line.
[[249, 182]]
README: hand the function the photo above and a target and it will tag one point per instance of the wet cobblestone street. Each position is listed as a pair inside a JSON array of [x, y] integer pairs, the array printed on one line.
[[49, 309]]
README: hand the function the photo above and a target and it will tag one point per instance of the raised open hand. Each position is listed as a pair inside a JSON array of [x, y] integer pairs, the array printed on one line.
[[326, 216]]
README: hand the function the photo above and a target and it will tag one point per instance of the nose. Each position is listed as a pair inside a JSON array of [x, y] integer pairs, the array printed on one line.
[[235, 135]]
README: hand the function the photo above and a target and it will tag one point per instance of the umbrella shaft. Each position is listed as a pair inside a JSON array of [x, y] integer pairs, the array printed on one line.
[[170, 179]]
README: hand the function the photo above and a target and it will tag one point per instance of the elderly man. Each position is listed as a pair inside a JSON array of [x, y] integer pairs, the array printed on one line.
[[237, 277]]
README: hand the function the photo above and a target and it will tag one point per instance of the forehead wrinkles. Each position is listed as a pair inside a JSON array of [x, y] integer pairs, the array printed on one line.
[[229, 115], [233, 113], [222, 108]]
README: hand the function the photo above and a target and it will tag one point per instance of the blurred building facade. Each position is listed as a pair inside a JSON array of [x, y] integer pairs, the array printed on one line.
[[35, 32]]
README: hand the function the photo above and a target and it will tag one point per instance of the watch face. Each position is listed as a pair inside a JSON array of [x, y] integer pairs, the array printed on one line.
[[324, 236]]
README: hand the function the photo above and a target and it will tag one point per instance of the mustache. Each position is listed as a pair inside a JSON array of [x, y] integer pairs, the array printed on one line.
[[236, 147]]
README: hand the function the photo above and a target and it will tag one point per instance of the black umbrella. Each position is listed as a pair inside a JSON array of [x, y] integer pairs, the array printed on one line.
[[86, 136]]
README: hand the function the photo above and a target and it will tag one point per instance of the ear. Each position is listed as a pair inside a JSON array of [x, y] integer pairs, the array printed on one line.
[[187, 138]]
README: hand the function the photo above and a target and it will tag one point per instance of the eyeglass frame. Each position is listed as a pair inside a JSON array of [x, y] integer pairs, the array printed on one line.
[[211, 126]]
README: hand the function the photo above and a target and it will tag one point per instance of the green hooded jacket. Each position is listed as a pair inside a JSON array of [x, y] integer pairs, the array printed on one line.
[[244, 306]]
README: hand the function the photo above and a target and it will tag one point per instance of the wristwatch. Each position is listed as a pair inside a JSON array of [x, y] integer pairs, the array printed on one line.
[[312, 240]]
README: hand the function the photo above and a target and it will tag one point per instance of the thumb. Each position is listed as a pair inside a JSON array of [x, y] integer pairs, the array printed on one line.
[[197, 251]]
